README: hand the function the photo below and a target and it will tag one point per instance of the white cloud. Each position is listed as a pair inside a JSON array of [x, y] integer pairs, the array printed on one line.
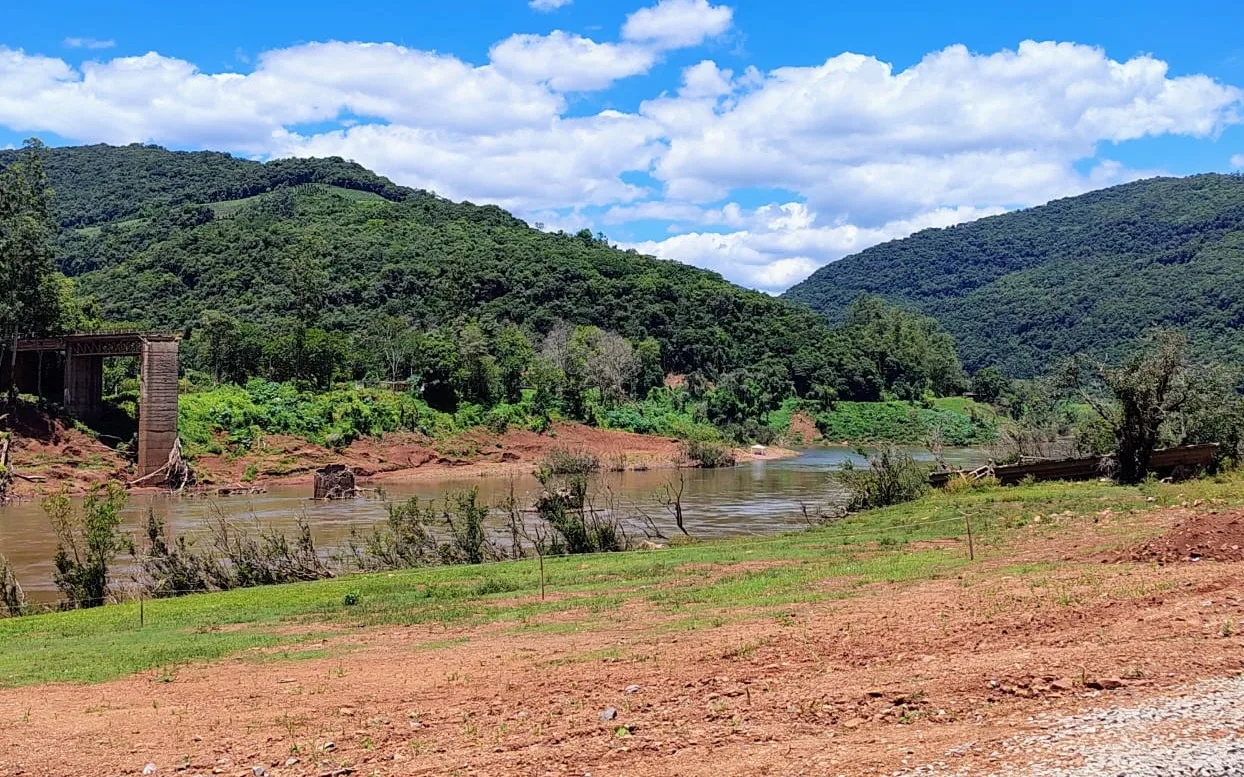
[[783, 244], [1237, 160], [89, 43], [570, 161], [856, 151], [548, 5], [855, 137], [167, 100], [569, 63], [672, 24]]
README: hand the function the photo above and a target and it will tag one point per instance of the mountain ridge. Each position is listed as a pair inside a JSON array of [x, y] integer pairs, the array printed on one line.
[[1022, 290]]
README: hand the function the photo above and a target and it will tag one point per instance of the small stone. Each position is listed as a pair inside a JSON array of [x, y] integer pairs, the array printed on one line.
[[149, 769], [853, 723], [632, 689], [291, 762], [259, 771], [608, 713], [1063, 684], [328, 747]]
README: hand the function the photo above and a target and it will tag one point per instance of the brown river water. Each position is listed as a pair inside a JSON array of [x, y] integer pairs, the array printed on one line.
[[760, 497]]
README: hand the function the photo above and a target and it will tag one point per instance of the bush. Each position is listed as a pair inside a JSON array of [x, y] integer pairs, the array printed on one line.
[[270, 559], [87, 542], [577, 526], [560, 461], [709, 454], [892, 477], [11, 594], [170, 569], [408, 539]]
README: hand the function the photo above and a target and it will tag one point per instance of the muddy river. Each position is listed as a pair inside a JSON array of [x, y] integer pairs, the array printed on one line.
[[760, 497]]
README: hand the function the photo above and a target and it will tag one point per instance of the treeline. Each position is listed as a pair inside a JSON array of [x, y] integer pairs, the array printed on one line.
[[578, 372]]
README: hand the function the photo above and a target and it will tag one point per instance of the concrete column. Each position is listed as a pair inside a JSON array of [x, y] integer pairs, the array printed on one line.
[[84, 386], [157, 405]]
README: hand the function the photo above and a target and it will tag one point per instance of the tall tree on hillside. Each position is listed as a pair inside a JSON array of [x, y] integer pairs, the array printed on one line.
[[28, 296]]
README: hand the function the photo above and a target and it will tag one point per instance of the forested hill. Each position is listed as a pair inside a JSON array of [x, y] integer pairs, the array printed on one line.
[[100, 184], [328, 260], [1021, 290]]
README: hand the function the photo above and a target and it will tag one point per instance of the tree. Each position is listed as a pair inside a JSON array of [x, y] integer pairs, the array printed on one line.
[[28, 294], [477, 379], [650, 374], [390, 338], [989, 384], [514, 357], [1136, 397], [229, 349]]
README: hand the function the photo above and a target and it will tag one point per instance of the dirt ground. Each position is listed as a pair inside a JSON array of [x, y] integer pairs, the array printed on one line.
[[894, 677], [47, 454]]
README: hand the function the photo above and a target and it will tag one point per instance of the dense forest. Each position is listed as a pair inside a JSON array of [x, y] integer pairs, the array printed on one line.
[[316, 271], [1023, 290]]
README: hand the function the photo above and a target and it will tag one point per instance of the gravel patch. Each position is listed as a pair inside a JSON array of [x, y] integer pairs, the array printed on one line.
[[1198, 733]]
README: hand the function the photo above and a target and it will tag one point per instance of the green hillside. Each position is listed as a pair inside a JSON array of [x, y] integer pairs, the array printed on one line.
[[315, 269], [1022, 290], [101, 184]]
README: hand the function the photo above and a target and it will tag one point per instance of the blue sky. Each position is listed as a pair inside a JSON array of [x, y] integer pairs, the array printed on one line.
[[758, 139]]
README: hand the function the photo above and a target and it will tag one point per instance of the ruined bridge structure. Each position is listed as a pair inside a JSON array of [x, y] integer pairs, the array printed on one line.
[[73, 366]]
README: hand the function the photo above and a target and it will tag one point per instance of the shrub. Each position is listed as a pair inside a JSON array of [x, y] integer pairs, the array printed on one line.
[[170, 569], [87, 542], [576, 525], [269, 559], [709, 454], [408, 538], [560, 461], [11, 594], [892, 477]]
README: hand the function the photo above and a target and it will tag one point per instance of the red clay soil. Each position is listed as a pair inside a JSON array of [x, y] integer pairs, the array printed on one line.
[[47, 453], [50, 454], [803, 428], [1198, 537], [894, 677]]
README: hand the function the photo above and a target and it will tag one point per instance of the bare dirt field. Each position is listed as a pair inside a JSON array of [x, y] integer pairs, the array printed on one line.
[[943, 676]]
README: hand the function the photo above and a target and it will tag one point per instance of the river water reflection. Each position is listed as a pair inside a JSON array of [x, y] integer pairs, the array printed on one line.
[[760, 497]]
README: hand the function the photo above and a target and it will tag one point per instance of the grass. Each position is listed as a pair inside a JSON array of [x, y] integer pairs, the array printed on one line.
[[962, 421], [702, 585]]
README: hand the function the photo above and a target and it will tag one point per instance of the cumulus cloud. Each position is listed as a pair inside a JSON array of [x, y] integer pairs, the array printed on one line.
[[853, 136], [783, 244], [570, 161], [569, 63], [1237, 160], [672, 24], [852, 151], [89, 43], [548, 5]]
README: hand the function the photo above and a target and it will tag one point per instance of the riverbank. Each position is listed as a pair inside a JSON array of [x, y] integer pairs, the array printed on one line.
[[48, 454], [876, 634]]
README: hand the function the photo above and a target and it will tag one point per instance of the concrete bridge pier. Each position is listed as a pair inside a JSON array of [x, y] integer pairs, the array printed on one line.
[[84, 387], [157, 402]]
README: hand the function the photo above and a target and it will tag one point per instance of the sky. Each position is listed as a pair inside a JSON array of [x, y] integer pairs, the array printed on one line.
[[759, 139]]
